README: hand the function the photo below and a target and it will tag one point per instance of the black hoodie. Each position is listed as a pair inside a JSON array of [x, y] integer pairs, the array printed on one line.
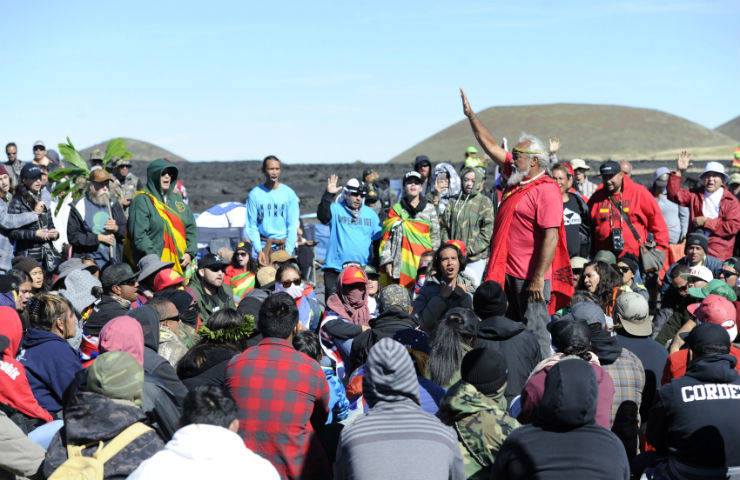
[[565, 442], [384, 325], [517, 345], [698, 415]]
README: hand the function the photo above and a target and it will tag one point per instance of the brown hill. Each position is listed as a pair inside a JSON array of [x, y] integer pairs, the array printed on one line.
[[141, 151], [731, 128], [588, 131]]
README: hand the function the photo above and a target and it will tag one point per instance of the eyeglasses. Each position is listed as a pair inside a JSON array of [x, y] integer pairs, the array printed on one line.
[[288, 283], [624, 269], [726, 273]]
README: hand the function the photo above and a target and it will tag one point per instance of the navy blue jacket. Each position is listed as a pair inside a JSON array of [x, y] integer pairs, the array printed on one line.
[[51, 364]]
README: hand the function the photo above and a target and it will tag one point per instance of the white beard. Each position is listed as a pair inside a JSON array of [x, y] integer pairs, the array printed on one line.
[[517, 176]]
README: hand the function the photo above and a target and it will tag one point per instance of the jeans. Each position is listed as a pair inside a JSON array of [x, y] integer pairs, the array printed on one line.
[[330, 283], [533, 314]]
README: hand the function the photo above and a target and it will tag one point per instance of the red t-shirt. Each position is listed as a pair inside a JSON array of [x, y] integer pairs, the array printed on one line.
[[539, 208], [675, 366]]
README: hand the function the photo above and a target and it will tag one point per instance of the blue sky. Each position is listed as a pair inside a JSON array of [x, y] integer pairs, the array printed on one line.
[[341, 81]]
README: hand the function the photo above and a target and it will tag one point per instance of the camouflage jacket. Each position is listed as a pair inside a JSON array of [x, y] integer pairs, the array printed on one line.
[[170, 347], [481, 424], [469, 218], [125, 189]]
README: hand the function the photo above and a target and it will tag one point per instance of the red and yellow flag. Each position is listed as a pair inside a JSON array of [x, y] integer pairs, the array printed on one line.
[[174, 232], [416, 240]]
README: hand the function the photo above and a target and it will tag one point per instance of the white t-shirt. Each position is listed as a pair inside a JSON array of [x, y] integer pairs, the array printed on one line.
[[710, 206]]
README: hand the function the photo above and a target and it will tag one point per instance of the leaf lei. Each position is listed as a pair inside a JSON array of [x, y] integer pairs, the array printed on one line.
[[231, 334]]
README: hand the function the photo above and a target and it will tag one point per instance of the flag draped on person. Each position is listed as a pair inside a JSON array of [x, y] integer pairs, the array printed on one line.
[[415, 241], [242, 284]]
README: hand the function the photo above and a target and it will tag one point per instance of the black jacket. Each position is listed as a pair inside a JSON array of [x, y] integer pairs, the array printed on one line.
[[26, 243], [83, 240], [104, 311], [384, 325], [92, 417], [697, 416], [564, 442], [212, 370], [517, 345]]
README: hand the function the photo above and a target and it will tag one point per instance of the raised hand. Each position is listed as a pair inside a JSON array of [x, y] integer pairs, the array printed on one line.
[[466, 105], [331, 185], [683, 162], [554, 145]]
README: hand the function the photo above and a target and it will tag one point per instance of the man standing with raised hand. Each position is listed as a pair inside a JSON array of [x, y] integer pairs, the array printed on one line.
[[529, 253]]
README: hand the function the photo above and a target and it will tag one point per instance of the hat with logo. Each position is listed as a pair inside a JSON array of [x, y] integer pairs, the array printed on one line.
[[609, 168], [212, 260], [699, 272], [412, 177], [353, 185], [714, 287], [715, 167], [31, 171], [631, 309], [717, 310], [577, 163], [353, 274], [243, 247]]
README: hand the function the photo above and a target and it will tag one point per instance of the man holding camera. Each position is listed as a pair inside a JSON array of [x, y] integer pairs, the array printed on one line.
[[624, 214]]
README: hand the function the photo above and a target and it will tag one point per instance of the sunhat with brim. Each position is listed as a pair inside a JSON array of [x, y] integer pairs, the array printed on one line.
[[69, 266], [577, 163], [715, 167], [149, 264]]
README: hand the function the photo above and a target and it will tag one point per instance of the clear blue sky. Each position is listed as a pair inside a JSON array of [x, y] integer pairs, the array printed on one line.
[[340, 81]]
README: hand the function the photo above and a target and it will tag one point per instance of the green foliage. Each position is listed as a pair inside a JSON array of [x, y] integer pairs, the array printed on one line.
[[231, 334], [115, 148]]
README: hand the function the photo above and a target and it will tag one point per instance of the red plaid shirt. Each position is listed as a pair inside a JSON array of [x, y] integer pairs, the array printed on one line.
[[279, 391]]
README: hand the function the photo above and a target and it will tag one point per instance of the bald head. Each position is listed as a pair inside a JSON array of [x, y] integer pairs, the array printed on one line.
[[626, 168]]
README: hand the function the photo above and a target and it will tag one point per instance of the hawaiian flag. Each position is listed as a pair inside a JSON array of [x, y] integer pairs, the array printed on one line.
[[242, 284], [414, 243], [174, 232]]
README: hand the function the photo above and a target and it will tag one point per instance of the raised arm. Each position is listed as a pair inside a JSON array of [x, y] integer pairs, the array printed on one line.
[[484, 137]]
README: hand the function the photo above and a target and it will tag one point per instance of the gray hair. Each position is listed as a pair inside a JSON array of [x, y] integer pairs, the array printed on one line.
[[536, 145]]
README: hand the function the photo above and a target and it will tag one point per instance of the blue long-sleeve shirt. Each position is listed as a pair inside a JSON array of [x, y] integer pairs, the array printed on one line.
[[272, 214], [676, 218]]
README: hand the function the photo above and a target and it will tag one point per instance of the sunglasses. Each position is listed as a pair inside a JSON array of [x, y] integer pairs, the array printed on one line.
[[130, 282], [38, 147], [726, 273], [288, 283], [357, 194], [241, 254], [176, 318], [624, 269], [215, 268]]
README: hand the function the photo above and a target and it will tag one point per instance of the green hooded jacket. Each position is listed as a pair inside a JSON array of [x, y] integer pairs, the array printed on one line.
[[469, 218], [209, 304], [481, 424], [145, 226]]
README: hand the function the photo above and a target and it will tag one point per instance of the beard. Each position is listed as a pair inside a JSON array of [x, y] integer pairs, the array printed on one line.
[[517, 176], [98, 198]]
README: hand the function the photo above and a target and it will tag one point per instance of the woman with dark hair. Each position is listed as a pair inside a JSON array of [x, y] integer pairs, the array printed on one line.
[[33, 269], [288, 279], [570, 339], [240, 274], [226, 334], [23, 292], [455, 336], [603, 281], [50, 362], [575, 211], [447, 287], [9, 222], [628, 265]]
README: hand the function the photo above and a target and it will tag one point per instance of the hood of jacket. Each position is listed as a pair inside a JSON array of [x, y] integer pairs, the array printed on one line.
[[391, 321], [389, 374], [154, 174], [455, 185], [203, 442], [35, 337], [149, 321], [463, 399], [499, 328], [90, 417], [479, 179], [569, 399], [713, 368], [11, 328]]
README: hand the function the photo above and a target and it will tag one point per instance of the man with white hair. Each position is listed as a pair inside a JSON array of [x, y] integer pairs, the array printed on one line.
[[715, 211], [529, 252]]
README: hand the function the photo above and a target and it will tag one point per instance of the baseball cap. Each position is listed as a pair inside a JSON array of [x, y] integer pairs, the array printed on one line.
[[587, 312], [99, 175], [733, 262], [166, 278], [715, 167], [578, 262], [471, 149], [706, 335], [577, 163], [717, 310], [31, 171], [243, 247], [371, 272], [39, 143], [734, 178], [701, 272], [353, 274], [116, 274], [607, 257], [660, 177], [714, 287], [412, 177], [211, 260], [97, 155], [354, 185], [631, 309], [609, 168]]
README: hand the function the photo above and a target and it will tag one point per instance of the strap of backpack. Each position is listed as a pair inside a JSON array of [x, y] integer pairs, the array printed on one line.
[[121, 440]]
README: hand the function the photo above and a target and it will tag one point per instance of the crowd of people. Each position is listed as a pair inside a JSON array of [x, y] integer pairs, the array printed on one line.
[[549, 327]]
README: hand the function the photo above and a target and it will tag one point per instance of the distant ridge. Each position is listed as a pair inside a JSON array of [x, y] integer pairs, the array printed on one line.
[[141, 151], [587, 131], [731, 128]]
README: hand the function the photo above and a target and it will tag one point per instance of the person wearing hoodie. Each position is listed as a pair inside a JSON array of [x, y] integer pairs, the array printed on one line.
[[16, 398], [565, 441], [447, 186], [476, 408], [110, 404], [51, 364], [446, 288], [570, 339], [469, 219], [511, 339], [209, 288], [159, 221], [410, 442], [206, 445], [353, 227]]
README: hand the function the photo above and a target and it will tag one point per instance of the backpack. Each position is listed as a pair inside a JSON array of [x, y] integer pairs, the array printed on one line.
[[79, 467]]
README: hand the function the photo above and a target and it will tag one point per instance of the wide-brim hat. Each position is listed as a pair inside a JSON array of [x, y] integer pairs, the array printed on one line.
[[715, 167], [577, 163], [149, 264], [69, 266]]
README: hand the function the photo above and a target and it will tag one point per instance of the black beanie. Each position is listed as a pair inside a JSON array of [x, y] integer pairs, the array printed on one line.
[[489, 300], [485, 369], [630, 260], [698, 239]]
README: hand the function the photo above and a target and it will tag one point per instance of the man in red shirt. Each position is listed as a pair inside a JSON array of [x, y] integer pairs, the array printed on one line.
[[281, 393], [618, 193], [529, 253]]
